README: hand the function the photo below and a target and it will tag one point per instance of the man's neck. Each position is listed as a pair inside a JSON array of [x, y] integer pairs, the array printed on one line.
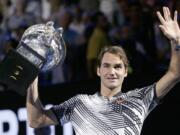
[[110, 93]]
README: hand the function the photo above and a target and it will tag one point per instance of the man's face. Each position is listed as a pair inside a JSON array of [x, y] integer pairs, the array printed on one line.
[[111, 71]]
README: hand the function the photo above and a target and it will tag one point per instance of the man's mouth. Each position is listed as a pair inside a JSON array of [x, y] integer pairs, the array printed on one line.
[[111, 79]]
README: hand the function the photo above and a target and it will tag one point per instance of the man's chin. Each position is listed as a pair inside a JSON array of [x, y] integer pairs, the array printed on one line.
[[112, 87]]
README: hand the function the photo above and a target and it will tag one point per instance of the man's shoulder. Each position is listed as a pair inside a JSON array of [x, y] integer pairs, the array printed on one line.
[[141, 91]]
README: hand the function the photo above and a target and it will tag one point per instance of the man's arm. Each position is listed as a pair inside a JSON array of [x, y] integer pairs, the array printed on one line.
[[171, 30], [37, 115]]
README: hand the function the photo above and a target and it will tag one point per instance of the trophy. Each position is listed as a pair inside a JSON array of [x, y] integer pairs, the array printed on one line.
[[41, 48]]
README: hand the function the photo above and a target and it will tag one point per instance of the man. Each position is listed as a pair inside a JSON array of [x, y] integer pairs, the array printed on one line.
[[111, 112]]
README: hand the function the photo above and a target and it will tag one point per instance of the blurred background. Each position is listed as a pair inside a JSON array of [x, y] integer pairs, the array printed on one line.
[[88, 26]]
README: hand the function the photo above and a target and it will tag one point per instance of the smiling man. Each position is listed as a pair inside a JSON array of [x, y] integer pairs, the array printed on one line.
[[112, 69], [110, 111]]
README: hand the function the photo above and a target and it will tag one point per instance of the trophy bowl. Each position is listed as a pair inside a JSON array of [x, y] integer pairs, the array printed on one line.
[[47, 42]]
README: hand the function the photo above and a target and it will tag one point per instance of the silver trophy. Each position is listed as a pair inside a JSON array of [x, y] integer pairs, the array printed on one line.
[[41, 48]]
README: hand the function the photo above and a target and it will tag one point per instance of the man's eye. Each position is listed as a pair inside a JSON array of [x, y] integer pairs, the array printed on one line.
[[118, 66], [105, 66]]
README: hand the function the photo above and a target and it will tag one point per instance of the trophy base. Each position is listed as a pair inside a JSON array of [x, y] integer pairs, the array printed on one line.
[[17, 73]]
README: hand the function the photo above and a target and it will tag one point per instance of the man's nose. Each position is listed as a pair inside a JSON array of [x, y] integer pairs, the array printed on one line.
[[112, 71]]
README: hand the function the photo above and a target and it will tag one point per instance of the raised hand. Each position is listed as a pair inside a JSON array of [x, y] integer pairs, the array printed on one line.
[[169, 25]]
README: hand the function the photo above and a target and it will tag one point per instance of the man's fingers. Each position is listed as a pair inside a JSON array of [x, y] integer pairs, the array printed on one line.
[[36, 81], [168, 13], [165, 12], [161, 19], [175, 16]]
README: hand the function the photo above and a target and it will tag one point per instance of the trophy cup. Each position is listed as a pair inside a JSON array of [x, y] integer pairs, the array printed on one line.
[[41, 48]]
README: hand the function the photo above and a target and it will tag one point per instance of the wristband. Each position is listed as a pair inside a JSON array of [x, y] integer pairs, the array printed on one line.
[[177, 48]]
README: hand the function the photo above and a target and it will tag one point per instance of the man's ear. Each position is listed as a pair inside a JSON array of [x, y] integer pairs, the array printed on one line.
[[98, 71], [126, 72]]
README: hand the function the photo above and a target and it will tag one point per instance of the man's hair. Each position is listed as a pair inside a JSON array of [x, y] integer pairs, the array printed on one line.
[[117, 50]]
